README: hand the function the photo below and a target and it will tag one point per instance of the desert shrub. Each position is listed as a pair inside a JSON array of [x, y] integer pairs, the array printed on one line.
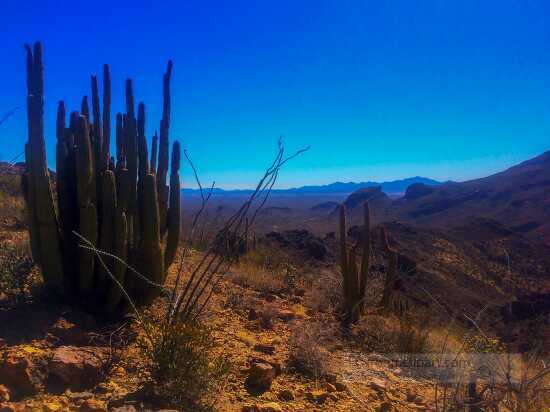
[[10, 185], [258, 278], [412, 336], [11, 209], [375, 333], [267, 316], [15, 269], [267, 258], [182, 361], [323, 294], [306, 354]]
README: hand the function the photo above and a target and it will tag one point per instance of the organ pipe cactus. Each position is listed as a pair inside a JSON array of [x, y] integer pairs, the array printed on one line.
[[391, 280], [354, 278], [121, 206]]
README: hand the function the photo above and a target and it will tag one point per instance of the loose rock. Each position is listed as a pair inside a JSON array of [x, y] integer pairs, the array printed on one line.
[[260, 376], [77, 368]]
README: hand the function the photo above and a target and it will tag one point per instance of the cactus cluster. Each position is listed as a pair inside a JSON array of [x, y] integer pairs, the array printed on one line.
[[121, 206], [354, 278]]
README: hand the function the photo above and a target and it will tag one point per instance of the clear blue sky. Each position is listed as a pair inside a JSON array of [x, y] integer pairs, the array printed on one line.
[[379, 89]]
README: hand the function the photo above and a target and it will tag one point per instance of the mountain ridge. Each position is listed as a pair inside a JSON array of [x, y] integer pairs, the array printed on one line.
[[393, 187]]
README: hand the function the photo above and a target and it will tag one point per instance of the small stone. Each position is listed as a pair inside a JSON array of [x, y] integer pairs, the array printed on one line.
[[270, 407], [92, 405], [8, 407], [260, 376], [331, 377], [384, 407], [263, 348], [53, 406], [317, 396], [270, 297], [286, 395], [340, 386], [252, 314], [76, 396], [286, 315], [329, 387], [4, 394], [69, 333], [124, 408], [378, 386]]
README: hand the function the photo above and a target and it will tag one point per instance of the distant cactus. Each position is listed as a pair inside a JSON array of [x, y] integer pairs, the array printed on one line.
[[391, 280], [125, 209], [354, 279]]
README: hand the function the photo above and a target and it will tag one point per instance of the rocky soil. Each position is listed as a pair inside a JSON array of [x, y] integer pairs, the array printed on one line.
[[59, 359]]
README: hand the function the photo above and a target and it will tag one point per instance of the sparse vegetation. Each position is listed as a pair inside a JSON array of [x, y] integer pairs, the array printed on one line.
[[307, 355], [184, 362], [148, 316], [15, 270]]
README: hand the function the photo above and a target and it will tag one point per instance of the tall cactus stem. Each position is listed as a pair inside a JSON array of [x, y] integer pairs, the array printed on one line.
[[47, 245], [162, 169], [174, 212], [106, 145]]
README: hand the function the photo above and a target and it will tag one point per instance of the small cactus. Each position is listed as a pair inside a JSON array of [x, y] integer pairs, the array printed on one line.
[[121, 206], [354, 278], [391, 280]]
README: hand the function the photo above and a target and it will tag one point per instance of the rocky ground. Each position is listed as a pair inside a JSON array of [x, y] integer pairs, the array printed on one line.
[[60, 359]]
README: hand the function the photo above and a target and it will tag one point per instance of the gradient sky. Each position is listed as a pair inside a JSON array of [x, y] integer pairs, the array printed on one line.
[[379, 89]]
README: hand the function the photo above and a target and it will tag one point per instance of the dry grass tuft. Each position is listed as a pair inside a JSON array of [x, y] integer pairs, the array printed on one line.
[[306, 354]]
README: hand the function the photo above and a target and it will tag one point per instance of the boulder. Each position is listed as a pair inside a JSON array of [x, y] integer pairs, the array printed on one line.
[[260, 376], [4, 394], [20, 372], [78, 367]]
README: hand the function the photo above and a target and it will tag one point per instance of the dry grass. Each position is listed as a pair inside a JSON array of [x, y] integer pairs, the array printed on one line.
[[262, 270], [16, 275], [390, 334], [307, 355], [183, 361]]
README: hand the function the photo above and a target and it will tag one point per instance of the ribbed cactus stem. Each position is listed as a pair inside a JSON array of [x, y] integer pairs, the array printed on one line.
[[119, 137], [354, 278], [131, 147], [366, 250], [45, 236], [98, 199], [344, 266], [108, 199], [154, 148], [106, 149], [97, 137], [391, 273], [88, 225], [120, 249], [85, 108], [162, 169], [151, 255], [174, 212]]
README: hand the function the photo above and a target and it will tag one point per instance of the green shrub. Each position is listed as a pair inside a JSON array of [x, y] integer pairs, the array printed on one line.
[[15, 270], [183, 362]]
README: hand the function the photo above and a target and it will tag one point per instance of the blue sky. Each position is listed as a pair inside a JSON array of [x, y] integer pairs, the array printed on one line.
[[379, 89]]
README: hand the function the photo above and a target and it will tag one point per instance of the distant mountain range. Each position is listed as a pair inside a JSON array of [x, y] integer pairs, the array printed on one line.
[[395, 187]]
